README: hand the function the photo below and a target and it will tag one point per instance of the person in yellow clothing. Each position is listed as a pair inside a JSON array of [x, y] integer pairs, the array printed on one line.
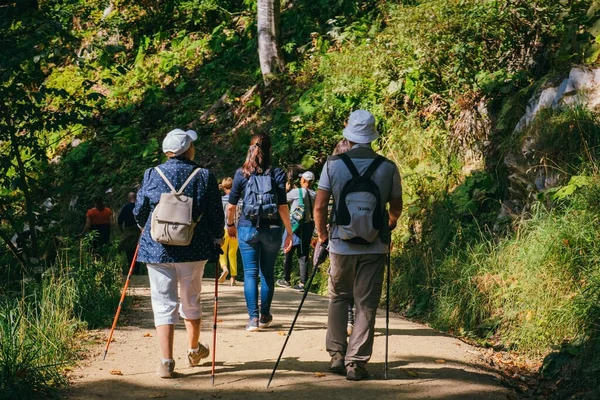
[[230, 246]]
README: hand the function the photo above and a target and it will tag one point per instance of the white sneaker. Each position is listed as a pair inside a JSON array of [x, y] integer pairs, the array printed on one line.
[[165, 369]]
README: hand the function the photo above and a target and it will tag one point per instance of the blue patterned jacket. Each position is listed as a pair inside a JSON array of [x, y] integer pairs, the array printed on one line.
[[207, 203]]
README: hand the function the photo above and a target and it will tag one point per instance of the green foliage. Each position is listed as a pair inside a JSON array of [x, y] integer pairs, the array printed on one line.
[[38, 331], [37, 340], [118, 79], [97, 283], [567, 137], [530, 291]]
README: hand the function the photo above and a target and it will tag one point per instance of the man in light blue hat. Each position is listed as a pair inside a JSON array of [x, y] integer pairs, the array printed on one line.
[[362, 184]]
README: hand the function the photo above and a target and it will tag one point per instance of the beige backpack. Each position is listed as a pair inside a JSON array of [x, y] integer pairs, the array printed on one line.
[[172, 221]]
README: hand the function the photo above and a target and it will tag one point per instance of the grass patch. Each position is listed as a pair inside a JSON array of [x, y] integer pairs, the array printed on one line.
[[39, 329]]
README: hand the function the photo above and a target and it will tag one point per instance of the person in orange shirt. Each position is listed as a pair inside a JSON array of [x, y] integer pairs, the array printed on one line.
[[98, 219]]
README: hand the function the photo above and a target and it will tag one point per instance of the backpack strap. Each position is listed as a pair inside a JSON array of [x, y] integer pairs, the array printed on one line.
[[170, 185], [188, 180], [164, 178], [344, 157], [374, 165], [300, 199]]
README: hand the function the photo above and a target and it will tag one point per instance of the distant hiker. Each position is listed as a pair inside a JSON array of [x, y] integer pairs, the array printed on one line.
[[170, 265], [361, 183], [264, 215], [230, 245], [130, 233], [302, 200], [98, 219]]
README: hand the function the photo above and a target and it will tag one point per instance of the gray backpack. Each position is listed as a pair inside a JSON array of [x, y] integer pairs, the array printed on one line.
[[359, 215], [172, 221]]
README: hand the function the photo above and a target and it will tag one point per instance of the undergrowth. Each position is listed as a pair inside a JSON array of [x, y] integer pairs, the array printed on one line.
[[41, 326]]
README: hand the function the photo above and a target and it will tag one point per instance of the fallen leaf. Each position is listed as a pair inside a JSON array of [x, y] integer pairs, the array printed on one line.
[[147, 335], [440, 361], [281, 333], [219, 320], [67, 369], [412, 373], [158, 396], [320, 374], [115, 372]]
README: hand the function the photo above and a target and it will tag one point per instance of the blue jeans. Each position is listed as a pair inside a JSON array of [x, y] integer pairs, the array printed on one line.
[[259, 248]]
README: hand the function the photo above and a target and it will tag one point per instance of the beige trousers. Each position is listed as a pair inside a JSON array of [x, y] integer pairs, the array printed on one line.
[[358, 277]]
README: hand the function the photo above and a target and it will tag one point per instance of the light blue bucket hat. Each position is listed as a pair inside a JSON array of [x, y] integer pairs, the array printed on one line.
[[361, 127]]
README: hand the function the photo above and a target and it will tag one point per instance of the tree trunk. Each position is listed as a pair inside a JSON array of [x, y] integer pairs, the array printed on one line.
[[269, 54], [15, 252], [24, 186]]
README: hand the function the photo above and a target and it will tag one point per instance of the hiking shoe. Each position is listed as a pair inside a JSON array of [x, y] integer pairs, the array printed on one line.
[[252, 325], [283, 283], [194, 357], [355, 372], [349, 328], [337, 363], [299, 287], [265, 321], [165, 369]]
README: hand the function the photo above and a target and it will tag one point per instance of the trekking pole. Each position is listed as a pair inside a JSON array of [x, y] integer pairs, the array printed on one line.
[[133, 261], [306, 289], [387, 311], [216, 303]]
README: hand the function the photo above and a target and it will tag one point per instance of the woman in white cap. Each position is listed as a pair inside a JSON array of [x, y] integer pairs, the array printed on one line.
[[170, 265]]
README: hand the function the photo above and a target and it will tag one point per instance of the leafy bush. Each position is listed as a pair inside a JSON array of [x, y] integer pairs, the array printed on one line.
[[530, 291]]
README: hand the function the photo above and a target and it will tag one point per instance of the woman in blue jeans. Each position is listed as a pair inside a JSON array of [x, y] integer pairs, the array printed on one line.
[[260, 227]]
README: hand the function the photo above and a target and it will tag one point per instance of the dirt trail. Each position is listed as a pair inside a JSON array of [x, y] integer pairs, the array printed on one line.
[[423, 363]]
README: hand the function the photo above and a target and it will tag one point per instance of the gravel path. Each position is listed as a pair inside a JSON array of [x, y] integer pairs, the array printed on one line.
[[423, 363]]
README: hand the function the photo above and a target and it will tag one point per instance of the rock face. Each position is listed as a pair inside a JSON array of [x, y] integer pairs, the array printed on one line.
[[528, 171]]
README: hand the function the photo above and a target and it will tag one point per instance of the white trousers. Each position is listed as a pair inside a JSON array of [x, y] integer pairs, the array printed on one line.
[[167, 305]]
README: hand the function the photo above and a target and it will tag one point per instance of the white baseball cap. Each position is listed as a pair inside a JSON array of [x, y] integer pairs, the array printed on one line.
[[307, 175], [178, 141], [361, 127]]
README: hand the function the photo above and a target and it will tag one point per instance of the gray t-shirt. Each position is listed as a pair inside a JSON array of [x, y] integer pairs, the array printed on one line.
[[333, 178], [293, 196]]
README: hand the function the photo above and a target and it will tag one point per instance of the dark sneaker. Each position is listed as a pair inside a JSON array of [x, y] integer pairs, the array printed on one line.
[[355, 372], [299, 287], [265, 321], [282, 283], [337, 363], [252, 325], [194, 357], [165, 369]]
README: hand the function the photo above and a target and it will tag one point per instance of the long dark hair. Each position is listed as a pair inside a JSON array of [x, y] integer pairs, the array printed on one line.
[[258, 159]]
